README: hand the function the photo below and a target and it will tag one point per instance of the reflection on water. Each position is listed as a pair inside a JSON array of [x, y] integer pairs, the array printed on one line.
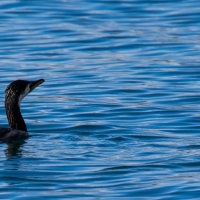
[[14, 150]]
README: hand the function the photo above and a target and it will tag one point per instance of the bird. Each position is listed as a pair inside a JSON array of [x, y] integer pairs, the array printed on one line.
[[14, 94]]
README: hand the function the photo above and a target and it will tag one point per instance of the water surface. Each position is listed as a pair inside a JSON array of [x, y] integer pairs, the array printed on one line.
[[118, 114]]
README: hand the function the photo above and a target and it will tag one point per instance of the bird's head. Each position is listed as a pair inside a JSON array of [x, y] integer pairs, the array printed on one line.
[[20, 88]]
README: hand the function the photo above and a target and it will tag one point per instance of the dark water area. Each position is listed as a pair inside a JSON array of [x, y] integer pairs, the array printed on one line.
[[118, 115]]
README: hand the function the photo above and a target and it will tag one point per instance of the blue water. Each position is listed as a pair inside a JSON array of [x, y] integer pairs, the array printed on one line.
[[118, 115]]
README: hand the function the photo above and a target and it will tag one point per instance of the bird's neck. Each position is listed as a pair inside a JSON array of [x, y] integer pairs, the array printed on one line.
[[13, 113]]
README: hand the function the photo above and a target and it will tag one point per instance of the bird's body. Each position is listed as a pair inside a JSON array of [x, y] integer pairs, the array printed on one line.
[[9, 135], [15, 92]]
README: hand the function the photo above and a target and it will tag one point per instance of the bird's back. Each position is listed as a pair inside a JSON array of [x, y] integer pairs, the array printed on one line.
[[8, 135]]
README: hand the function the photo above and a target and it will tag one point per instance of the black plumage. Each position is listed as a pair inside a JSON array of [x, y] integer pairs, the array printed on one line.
[[14, 93]]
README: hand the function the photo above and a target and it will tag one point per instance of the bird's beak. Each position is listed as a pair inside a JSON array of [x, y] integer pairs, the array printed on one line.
[[34, 84]]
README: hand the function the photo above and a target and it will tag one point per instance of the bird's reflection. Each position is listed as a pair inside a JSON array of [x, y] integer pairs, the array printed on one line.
[[14, 150]]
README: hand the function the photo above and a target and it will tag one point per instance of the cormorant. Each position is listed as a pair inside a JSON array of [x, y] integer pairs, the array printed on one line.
[[14, 94]]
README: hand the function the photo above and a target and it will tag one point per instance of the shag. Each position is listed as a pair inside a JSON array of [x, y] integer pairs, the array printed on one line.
[[14, 94]]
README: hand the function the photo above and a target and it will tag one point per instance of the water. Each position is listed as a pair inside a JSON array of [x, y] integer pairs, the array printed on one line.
[[118, 114]]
